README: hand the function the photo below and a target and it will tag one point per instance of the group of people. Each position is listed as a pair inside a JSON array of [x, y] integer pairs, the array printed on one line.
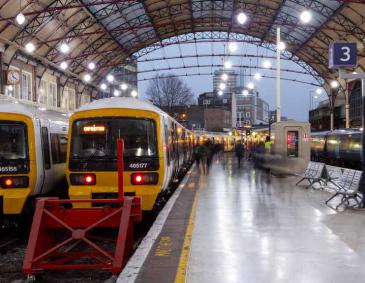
[[253, 151], [205, 152]]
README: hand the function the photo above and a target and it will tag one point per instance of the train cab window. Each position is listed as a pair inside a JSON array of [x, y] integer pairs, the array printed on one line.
[[97, 138], [45, 148], [13, 140]]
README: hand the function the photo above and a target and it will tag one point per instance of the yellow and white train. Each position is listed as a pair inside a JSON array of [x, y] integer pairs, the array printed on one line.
[[157, 150], [33, 145]]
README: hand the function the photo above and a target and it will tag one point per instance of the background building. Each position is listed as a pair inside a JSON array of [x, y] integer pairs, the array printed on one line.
[[320, 117], [231, 81]]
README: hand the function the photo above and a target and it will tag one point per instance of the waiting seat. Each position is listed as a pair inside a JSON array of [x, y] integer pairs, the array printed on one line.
[[313, 174]]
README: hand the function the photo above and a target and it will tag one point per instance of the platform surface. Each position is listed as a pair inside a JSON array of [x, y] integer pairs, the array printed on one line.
[[253, 227]]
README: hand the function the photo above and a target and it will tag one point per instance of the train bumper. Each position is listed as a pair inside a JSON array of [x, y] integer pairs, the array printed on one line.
[[13, 200], [148, 194]]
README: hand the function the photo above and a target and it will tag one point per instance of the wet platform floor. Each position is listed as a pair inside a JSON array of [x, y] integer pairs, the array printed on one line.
[[253, 227]]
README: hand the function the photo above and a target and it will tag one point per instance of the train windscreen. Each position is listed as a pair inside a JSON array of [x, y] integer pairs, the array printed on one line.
[[97, 138], [13, 141]]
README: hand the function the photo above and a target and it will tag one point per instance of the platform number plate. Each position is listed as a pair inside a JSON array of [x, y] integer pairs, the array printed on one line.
[[342, 55]]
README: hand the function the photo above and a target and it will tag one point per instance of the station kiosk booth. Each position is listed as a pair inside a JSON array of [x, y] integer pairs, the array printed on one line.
[[291, 141]]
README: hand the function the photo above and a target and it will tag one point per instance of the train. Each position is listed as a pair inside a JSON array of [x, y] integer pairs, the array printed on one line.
[[341, 148], [157, 150], [33, 144]]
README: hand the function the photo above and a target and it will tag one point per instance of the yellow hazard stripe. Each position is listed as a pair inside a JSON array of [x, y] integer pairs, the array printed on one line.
[[184, 257]]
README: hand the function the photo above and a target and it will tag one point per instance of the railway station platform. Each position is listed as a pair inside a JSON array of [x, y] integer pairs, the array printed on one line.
[[244, 225]]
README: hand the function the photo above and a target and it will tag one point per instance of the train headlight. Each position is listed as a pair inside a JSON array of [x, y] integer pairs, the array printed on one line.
[[144, 178], [83, 179], [14, 182]]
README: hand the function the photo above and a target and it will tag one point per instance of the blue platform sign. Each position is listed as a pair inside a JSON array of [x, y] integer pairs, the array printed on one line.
[[342, 55]]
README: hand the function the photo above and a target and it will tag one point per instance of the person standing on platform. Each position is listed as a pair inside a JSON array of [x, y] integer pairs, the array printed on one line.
[[268, 145], [239, 151]]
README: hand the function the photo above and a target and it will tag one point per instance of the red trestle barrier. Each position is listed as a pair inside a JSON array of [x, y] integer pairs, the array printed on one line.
[[64, 238]]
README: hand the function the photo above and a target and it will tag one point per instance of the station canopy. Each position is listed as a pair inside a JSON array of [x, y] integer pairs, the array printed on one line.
[[114, 32]]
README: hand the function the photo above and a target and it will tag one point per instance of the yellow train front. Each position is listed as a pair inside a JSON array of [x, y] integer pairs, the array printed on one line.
[[156, 150]]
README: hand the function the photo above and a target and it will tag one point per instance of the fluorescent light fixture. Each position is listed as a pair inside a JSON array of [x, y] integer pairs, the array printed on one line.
[[281, 46], [220, 93], [232, 46], [257, 76], [20, 18], [250, 85], [103, 86], [222, 86], [245, 92], [110, 78], [224, 77], [241, 18], [227, 65], [266, 64], [334, 84], [306, 16], [64, 48], [124, 86], [319, 91], [87, 78], [30, 47], [91, 66], [64, 65]]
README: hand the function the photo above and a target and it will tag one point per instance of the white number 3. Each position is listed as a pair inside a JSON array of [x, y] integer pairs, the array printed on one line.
[[346, 54]]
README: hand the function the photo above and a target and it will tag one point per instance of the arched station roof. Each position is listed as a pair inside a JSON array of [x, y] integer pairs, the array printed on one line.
[[113, 32]]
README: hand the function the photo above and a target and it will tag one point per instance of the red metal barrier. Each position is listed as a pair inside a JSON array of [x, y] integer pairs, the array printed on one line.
[[64, 238]]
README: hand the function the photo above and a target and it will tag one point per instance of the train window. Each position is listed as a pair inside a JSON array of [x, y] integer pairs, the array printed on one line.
[[58, 148], [97, 138], [13, 140], [167, 150], [45, 148]]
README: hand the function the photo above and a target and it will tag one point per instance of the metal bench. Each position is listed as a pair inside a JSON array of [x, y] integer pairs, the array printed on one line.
[[313, 174], [330, 175], [347, 186]]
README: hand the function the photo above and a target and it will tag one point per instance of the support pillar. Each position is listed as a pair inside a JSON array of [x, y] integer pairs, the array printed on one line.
[[278, 110]]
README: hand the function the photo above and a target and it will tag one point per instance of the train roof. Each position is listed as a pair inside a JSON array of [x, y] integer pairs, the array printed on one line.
[[121, 102], [338, 132]]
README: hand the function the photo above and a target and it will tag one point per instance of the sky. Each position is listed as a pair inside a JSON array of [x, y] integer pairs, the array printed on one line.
[[295, 96]]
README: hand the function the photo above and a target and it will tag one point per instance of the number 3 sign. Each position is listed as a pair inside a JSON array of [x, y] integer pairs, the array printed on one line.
[[342, 55]]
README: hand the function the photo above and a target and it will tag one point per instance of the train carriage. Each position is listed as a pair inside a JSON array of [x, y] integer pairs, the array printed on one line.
[[157, 150], [33, 145]]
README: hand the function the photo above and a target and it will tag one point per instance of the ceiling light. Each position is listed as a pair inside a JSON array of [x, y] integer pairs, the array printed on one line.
[[110, 78], [306, 16], [103, 86], [281, 46], [116, 92], [123, 86], [222, 86], [30, 47], [64, 48], [220, 92], [319, 91], [232, 46], [250, 85], [227, 65], [224, 77], [266, 64], [315, 96], [10, 87], [334, 84], [245, 92], [91, 66], [20, 19], [241, 18], [257, 76], [42, 108], [134, 93], [64, 65], [87, 78]]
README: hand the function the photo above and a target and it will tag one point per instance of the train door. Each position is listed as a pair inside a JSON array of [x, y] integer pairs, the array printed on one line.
[[46, 158]]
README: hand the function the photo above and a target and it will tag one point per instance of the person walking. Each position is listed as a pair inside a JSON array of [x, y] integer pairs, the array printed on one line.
[[239, 151]]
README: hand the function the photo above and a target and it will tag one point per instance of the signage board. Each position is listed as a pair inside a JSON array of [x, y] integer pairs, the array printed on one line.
[[342, 55]]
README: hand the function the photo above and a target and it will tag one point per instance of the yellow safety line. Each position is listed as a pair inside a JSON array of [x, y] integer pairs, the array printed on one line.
[[183, 262]]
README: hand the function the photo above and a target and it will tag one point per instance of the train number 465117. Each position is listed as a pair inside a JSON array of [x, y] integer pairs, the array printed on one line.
[[138, 165]]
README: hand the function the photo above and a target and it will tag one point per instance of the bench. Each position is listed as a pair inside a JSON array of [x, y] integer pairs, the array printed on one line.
[[330, 175], [313, 174], [347, 186]]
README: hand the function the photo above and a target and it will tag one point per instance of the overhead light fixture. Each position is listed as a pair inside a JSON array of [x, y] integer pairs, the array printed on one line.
[[315, 97], [103, 86], [116, 92], [257, 76], [334, 84], [64, 65], [20, 18], [319, 91], [306, 16], [124, 86], [266, 64], [250, 85], [227, 65], [245, 92], [64, 48], [281, 46], [10, 87], [30, 47], [222, 86], [91, 66], [42, 108], [110, 78], [232, 46], [87, 78], [224, 77], [241, 18], [220, 92], [134, 93]]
